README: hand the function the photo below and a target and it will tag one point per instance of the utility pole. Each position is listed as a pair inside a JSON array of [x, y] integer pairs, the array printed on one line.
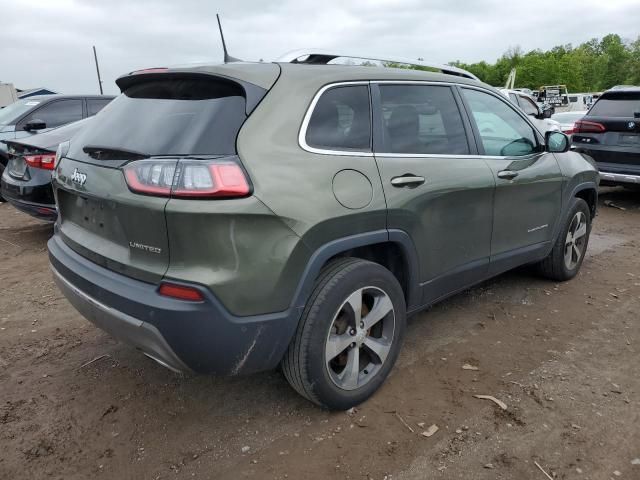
[[95, 57]]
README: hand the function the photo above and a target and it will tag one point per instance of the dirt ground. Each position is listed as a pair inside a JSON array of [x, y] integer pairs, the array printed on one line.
[[563, 357]]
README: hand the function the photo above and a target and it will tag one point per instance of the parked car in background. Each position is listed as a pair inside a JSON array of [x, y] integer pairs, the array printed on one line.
[[540, 116], [294, 214], [567, 120], [610, 134], [39, 114], [26, 182]]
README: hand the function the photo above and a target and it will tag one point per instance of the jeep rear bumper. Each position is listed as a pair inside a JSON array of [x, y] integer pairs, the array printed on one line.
[[183, 336]]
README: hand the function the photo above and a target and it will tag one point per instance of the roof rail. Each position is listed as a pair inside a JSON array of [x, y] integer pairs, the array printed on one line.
[[322, 57]]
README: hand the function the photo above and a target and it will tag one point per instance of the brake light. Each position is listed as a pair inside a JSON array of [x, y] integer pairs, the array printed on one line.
[[585, 126], [187, 178], [181, 292], [45, 162]]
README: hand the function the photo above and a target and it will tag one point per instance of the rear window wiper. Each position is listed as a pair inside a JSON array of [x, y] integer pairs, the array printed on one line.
[[110, 153]]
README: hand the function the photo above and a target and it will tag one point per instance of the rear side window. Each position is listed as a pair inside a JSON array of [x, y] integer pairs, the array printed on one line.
[[94, 106], [341, 120], [54, 114], [619, 105], [169, 116], [422, 119]]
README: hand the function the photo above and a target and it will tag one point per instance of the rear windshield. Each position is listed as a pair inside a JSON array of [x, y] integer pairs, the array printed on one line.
[[618, 105], [171, 116]]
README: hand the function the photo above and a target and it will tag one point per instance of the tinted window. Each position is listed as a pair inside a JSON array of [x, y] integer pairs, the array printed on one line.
[[56, 113], [528, 106], [619, 105], [503, 132], [341, 120], [421, 119], [169, 117], [94, 106]]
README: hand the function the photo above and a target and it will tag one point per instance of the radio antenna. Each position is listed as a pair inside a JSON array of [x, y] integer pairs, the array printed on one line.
[[227, 58]]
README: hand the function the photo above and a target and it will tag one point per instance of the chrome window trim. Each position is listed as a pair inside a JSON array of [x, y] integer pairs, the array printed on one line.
[[307, 117], [302, 135], [427, 155]]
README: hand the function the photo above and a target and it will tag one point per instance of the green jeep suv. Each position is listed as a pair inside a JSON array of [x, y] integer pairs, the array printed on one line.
[[234, 218]]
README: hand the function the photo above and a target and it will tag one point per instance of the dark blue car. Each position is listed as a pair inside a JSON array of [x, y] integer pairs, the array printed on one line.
[[26, 181]]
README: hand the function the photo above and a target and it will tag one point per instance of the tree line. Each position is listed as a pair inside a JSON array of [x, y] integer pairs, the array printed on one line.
[[592, 66]]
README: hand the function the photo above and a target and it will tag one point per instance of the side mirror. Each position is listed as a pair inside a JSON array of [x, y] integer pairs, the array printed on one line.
[[557, 142], [35, 124]]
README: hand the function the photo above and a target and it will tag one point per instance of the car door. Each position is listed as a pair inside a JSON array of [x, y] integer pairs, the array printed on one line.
[[528, 180], [437, 189]]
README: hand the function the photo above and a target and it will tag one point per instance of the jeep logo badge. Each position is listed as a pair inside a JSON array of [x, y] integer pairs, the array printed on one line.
[[78, 177]]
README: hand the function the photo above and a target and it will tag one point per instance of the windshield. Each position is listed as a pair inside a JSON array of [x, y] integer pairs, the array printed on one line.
[[618, 105], [172, 116], [11, 113]]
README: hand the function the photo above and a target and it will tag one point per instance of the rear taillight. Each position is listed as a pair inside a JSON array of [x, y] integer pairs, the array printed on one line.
[[181, 292], [187, 178], [585, 126], [46, 161]]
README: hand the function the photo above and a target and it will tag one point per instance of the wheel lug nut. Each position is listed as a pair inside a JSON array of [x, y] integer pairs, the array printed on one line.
[[361, 324], [352, 332]]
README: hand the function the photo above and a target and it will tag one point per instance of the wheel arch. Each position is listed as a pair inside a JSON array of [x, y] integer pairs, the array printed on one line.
[[393, 249]]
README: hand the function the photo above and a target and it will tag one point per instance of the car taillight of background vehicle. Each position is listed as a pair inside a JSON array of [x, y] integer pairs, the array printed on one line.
[[187, 178], [585, 126], [45, 162]]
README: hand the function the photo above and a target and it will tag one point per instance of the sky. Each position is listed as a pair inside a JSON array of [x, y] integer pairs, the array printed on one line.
[[47, 43]]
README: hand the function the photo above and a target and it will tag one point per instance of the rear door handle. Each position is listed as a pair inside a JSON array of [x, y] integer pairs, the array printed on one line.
[[407, 180], [507, 174]]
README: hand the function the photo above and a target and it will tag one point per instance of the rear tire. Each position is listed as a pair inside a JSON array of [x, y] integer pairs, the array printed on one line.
[[339, 357], [565, 259]]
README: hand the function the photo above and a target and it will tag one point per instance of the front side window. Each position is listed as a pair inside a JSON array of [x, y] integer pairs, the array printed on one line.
[[421, 119], [57, 113], [341, 120], [503, 132], [528, 106]]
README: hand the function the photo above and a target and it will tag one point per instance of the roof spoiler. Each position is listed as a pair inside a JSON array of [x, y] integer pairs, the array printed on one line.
[[322, 57]]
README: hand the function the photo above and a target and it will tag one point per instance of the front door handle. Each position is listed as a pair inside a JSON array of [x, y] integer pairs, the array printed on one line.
[[507, 174], [407, 180]]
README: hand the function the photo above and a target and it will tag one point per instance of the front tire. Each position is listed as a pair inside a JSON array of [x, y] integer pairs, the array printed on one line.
[[349, 336], [565, 259]]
